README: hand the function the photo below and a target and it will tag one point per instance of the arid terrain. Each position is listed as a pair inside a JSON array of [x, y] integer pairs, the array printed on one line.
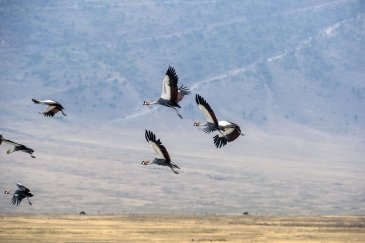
[[155, 228]]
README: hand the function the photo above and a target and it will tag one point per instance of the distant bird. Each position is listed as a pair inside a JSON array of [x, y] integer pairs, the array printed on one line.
[[17, 147], [163, 157], [52, 108], [20, 194], [171, 95], [228, 131]]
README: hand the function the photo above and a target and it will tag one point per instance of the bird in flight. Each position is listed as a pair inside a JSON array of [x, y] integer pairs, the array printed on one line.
[[21, 193], [228, 131], [17, 147], [52, 108], [162, 156], [171, 95]]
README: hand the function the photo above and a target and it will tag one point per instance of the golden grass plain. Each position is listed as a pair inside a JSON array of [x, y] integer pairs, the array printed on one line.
[[156, 228]]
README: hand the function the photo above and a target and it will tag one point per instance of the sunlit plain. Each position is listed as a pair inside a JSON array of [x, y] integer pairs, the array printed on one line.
[[156, 228]]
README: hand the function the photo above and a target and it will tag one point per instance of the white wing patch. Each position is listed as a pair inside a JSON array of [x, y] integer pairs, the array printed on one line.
[[226, 131], [206, 113], [51, 108], [157, 150], [50, 102], [166, 89], [224, 123]]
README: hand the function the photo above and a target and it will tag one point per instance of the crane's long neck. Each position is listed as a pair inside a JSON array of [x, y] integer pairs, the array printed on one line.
[[200, 124], [150, 102], [146, 162]]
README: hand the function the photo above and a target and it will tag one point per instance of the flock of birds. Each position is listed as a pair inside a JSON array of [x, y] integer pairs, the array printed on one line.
[[170, 97]]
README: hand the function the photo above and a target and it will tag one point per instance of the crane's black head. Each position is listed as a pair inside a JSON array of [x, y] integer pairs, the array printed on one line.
[[145, 162], [146, 102]]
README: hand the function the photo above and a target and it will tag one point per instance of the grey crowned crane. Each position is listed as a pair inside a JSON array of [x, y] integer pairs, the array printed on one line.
[[52, 108], [20, 194], [17, 147], [163, 157], [171, 95], [228, 131]]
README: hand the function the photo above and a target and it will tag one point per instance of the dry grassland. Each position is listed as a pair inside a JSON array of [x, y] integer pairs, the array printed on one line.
[[181, 229]]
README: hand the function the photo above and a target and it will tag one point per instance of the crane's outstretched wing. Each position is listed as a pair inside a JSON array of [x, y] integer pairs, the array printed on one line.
[[10, 142], [22, 188], [17, 198], [157, 146], [51, 110], [46, 102], [230, 133], [205, 108], [169, 85]]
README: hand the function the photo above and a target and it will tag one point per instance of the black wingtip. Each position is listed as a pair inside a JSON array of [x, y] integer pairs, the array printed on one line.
[[49, 114], [146, 135], [36, 101], [197, 96], [219, 142], [200, 100], [172, 74], [150, 136]]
